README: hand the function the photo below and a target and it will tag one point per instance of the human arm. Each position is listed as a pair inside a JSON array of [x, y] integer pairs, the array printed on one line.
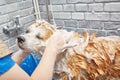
[[44, 71], [46, 66], [15, 73]]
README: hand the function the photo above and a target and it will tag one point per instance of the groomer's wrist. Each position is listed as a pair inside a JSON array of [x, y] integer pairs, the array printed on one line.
[[51, 51]]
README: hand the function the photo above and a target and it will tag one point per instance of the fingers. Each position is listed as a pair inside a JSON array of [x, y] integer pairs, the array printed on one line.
[[66, 46], [63, 35], [61, 39]]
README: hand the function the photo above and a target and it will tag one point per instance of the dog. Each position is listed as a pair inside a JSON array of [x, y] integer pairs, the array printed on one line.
[[93, 58]]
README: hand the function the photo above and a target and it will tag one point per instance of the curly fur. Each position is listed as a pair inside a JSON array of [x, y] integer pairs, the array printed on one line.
[[94, 58]]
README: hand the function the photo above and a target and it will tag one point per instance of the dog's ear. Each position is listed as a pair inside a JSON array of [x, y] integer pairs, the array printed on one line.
[[85, 35], [93, 36], [50, 26]]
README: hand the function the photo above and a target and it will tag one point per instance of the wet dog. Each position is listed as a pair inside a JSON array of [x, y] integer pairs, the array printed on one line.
[[36, 36], [94, 58]]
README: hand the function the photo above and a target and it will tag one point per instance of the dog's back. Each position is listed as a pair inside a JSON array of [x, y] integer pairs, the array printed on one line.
[[94, 58]]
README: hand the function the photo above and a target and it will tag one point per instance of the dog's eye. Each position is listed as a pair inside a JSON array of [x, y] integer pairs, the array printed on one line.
[[27, 31], [38, 36]]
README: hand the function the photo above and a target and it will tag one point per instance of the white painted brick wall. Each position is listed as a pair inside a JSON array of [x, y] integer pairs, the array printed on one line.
[[112, 7], [94, 15], [97, 16], [62, 15], [78, 15], [106, 0], [115, 17], [70, 23], [68, 7], [2, 2], [57, 7], [81, 7], [101, 16], [25, 4], [8, 10], [96, 7], [4, 18], [79, 1], [58, 1]]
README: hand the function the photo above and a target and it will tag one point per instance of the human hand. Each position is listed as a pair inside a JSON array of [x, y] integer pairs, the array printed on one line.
[[58, 42]]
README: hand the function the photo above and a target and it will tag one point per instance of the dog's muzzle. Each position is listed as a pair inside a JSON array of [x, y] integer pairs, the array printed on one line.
[[20, 39]]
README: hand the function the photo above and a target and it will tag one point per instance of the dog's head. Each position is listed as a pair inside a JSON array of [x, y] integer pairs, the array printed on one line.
[[36, 36]]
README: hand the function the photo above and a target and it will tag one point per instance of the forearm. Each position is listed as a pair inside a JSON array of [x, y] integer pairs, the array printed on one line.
[[44, 71]]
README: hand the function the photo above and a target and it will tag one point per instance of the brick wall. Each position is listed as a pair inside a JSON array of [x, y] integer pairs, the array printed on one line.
[[8, 10], [100, 16]]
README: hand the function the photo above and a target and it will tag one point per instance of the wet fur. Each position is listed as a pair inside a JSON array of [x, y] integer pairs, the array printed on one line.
[[94, 58]]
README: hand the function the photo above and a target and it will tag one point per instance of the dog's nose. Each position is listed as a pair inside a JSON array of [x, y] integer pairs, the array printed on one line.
[[20, 39]]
